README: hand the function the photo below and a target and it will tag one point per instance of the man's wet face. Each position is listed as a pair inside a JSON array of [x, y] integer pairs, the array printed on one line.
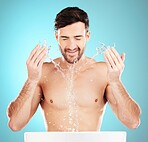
[[72, 41]]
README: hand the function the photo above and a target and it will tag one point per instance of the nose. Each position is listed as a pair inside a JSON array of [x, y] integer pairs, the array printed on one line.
[[72, 45]]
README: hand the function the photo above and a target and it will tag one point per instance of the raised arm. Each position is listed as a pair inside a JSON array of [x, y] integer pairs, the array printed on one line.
[[24, 106], [126, 109]]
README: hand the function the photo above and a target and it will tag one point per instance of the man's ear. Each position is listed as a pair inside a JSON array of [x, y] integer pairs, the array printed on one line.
[[56, 35], [88, 35]]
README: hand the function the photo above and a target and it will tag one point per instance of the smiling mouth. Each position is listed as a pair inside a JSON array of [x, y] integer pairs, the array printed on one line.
[[72, 52]]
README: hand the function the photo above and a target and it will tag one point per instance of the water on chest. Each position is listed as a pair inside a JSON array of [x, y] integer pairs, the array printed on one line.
[[73, 93], [78, 94]]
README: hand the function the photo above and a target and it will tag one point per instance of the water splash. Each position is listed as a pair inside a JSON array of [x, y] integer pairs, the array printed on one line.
[[68, 75], [72, 105], [100, 50], [57, 65]]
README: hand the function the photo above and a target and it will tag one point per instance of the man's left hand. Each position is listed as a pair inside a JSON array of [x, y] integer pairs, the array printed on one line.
[[115, 64]]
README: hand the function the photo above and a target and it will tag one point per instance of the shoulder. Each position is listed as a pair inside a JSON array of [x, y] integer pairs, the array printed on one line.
[[97, 66], [49, 66], [101, 69], [101, 66]]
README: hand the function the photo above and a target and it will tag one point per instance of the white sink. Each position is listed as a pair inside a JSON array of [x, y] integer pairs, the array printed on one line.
[[112, 136]]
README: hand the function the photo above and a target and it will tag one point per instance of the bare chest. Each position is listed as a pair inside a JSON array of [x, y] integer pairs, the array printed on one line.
[[83, 90]]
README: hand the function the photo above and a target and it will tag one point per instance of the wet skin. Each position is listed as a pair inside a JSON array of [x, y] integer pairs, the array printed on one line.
[[88, 88]]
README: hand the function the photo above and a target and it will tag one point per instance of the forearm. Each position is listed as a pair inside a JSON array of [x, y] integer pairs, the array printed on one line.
[[127, 109], [19, 110]]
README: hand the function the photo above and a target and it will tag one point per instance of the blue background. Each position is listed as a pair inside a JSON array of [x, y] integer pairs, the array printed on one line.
[[25, 23]]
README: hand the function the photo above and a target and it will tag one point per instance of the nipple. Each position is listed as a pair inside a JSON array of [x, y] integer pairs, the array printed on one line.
[[51, 101], [96, 100]]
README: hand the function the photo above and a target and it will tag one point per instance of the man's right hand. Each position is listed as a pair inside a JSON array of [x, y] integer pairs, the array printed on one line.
[[35, 62]]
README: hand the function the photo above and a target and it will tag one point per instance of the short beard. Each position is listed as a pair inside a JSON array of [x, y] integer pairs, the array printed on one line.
[[80, 53]]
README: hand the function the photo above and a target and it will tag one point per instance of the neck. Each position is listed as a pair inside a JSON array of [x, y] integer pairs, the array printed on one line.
[[65, 65]]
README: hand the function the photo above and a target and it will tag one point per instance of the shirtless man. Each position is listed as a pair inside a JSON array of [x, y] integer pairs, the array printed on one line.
[[73, 96]]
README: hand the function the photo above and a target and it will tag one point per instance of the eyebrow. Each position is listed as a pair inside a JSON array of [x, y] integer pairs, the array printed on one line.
[[64, 36], [74, 36], [78, 36]]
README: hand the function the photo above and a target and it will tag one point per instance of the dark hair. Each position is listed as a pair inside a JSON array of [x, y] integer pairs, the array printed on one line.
[[69, 16]]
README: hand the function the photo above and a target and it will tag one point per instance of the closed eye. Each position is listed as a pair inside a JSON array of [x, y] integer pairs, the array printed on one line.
[[64, 37], [79, 37]]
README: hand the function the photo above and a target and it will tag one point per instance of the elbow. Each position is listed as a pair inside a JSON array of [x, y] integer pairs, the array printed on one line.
[[135, 124], [136, 121], [13, 126]]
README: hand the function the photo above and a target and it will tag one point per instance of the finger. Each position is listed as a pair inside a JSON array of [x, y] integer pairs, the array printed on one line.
[[109, 58], [107, 62], [40, 63], [44, 52], [120, 64], [117, 55], [123, 57], [34, 58], [114, 58], [33, 52]]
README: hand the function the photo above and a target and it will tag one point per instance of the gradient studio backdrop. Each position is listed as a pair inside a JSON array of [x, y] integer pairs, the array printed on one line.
[[23, 24]]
